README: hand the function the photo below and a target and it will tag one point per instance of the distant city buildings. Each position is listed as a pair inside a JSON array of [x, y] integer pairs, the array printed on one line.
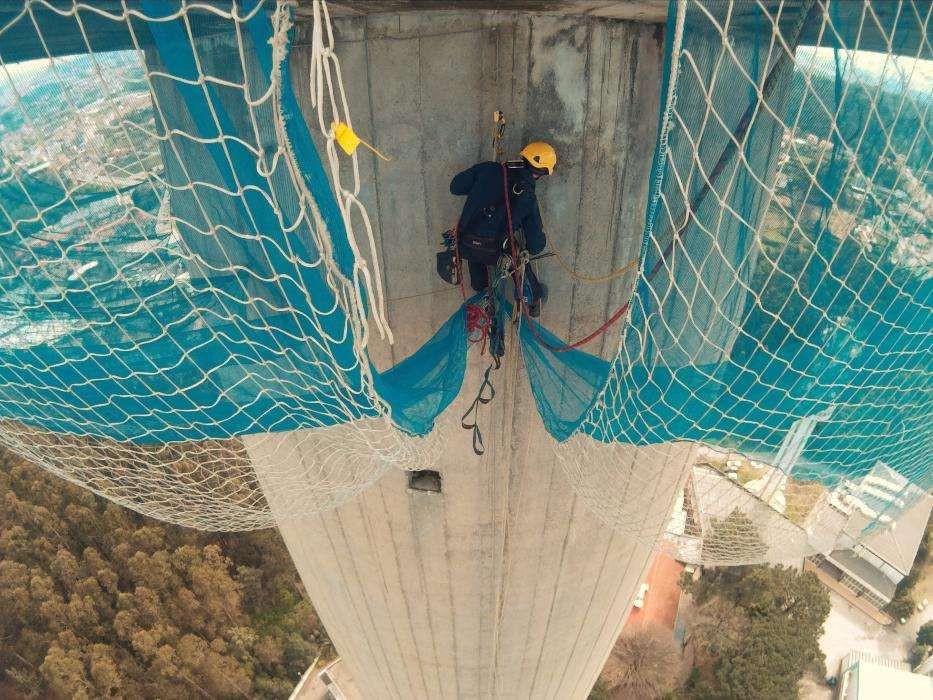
[[83, 135]]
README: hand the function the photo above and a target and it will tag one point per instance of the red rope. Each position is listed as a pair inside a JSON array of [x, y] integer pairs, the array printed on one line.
[[582, 341], [520, 292], [477, 317], [516, 274]]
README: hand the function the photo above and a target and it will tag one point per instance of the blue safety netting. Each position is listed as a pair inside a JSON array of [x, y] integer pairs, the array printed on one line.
[[787, 266], [163, 273], [163, 276]]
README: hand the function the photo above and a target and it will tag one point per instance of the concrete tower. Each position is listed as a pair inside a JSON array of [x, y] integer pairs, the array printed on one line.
[[502, 584]]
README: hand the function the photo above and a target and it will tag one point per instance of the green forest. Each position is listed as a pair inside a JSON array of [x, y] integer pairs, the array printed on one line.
[[98, 601], [754, 632]]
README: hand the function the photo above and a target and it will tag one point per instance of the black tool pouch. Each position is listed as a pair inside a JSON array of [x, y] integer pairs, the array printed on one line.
[[480, 249], [447, 268]]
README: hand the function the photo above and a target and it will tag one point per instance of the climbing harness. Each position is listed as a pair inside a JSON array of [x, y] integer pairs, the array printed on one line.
[[518, 278], [482, 325], [479, 318]]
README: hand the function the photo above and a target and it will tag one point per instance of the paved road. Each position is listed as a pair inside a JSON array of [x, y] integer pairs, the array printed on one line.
[[660, 608], [849, 629]]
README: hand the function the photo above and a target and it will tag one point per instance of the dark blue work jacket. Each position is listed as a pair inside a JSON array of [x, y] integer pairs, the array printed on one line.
[[483, 213]]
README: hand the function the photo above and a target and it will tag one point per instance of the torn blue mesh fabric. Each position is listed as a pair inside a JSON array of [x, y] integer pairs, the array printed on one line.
[[176, 288], [565, 384], [785, 267]]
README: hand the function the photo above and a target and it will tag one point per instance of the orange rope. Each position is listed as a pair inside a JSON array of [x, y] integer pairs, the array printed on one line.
[[423, 294], [630, 265]]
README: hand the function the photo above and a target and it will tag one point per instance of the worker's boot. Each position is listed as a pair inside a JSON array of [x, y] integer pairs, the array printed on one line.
[[534, 308]]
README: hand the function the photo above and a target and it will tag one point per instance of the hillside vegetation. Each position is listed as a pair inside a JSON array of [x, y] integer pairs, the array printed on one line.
[[97, 601]]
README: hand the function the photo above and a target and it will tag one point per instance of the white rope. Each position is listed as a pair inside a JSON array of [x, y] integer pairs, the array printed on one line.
[[670, 102], [325, 67]]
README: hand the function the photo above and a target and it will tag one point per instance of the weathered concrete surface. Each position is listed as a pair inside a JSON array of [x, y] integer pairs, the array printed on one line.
[[502, 585], [634, 10], [423, 87]]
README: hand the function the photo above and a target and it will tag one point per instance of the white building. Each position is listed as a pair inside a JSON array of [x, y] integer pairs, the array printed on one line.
[[866, 677], [886, 519]]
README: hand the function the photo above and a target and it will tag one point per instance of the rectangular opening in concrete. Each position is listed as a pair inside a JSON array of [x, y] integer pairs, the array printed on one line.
[[425, 480]]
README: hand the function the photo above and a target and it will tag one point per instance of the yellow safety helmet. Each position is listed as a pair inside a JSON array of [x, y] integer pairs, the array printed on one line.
[[540, 155]]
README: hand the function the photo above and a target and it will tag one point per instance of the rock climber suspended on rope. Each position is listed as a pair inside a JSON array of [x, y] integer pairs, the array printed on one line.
[[482, 236]]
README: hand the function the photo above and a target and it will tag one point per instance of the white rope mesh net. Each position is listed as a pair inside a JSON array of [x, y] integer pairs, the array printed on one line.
[[143, 194], [803, 256], [103, 183]]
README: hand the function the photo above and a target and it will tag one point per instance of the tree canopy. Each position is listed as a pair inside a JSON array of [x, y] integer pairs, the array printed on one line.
[[734, 535], [643, 665], [925, 634], [97, 601], [757, 630]]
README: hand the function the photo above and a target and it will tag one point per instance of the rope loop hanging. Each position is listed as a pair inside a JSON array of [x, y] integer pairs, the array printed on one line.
[[470, 419]]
